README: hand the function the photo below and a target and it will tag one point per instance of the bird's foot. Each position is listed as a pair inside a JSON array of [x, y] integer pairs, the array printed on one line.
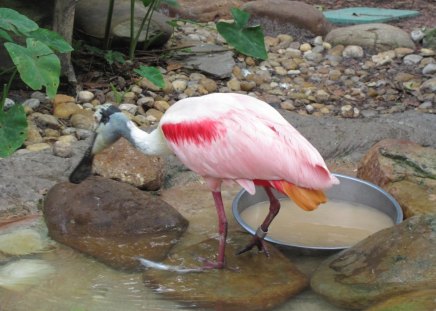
[[209, 265], [258, 241]]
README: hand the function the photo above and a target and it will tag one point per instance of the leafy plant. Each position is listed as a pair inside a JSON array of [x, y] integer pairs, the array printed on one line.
[[37, 65], [152, 74], [248, 40]]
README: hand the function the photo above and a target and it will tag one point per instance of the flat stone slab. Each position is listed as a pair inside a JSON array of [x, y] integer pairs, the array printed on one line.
[[365, 15], [250, 281]]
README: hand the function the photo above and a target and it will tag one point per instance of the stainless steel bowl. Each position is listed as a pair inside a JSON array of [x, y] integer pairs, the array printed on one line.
[[350, 189]]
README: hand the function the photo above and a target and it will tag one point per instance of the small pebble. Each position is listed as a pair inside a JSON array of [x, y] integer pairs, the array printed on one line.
[[84, 96], [62, 149], [352, 51]]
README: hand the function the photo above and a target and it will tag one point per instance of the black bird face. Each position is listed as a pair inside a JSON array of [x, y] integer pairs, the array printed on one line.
[[106, 133]]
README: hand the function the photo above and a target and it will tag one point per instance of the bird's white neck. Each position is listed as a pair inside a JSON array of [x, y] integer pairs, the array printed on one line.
[[152, 143]]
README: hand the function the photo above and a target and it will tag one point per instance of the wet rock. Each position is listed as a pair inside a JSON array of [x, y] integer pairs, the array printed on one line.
[[112, 221], [22, 242], [393, 261], [404, 169], [216, 63], [416, 300], [287, 13], [122, 161], [236, 287], [380, 37]]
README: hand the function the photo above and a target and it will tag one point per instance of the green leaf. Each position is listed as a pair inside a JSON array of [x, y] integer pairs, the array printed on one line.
[[172, 3], [11, 20], [13, 130], [114, 56], [52, 39], [5, 35], [146, 3], [241, 17], [37, 64], [247, 40], [152, 74]]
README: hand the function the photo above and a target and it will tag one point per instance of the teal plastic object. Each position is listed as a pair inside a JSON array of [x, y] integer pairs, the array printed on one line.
[[365, 15]]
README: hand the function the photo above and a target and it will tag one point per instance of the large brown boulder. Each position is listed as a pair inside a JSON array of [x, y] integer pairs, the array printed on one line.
[[204, 11], [250, 281], [418, 300], [284, 12], [404, 169], [123, 162], [390, 262], [112, 221]]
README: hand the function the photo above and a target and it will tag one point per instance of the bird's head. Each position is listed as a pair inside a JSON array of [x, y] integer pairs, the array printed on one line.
[[110, 124]]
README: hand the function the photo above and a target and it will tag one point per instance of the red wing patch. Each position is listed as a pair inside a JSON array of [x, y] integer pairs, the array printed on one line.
[[197, 132]]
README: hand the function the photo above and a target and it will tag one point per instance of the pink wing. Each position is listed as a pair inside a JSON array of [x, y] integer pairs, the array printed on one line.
[[237, 137]]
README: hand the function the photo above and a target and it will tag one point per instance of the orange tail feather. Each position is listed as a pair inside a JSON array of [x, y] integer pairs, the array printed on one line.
[[307, 199]]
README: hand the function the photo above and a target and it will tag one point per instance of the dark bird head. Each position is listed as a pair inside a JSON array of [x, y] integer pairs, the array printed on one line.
[[110, 126]]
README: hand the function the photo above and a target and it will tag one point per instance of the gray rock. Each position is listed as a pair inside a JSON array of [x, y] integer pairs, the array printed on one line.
[[352, 51], [429, 69], [392, 261], [429, 86], [211, 59], [27, 177], [103, 214], [412, 59], [84, 97], [8, 103], [380, 37], [32, 103], [45, 120]]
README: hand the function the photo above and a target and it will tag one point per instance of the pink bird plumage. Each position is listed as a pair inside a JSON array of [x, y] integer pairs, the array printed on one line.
[[226, 137], [239, 138]]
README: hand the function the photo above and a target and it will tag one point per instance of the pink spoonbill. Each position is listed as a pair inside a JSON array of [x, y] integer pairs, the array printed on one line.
[[226, 137]]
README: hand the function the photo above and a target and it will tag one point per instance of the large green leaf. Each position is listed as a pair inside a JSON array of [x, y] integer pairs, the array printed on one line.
[[52, 39], [37, 64], [5, 36], [13, 129], [11, 20], [152, 74], [247, 40]]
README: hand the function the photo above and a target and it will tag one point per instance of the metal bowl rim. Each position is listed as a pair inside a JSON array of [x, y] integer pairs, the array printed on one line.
[[236, 214]]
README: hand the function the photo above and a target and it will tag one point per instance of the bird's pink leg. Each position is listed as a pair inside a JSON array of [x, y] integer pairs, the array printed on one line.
[[258, 239], [222, 230]]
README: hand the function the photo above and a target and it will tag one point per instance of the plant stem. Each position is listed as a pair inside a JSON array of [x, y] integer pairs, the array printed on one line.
[[132, 30], [146, 43], [108, 24], [6, 88]]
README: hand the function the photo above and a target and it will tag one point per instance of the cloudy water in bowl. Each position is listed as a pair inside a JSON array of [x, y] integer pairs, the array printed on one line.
[[333, 224]]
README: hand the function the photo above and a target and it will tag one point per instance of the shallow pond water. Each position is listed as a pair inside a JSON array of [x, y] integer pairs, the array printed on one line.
[[80, 283]]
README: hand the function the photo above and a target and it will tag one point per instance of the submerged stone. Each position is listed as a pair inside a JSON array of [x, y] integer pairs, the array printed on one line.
[[390, 262], [419, 300], [112, 221], [404, 169], [250, 281]]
